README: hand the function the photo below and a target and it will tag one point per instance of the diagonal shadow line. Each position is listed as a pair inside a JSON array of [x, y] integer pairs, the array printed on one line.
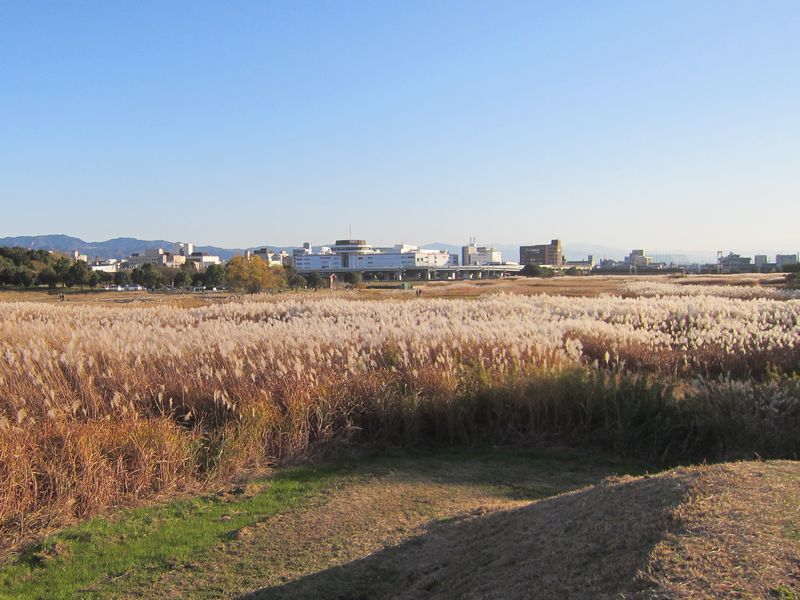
[[587, 544]]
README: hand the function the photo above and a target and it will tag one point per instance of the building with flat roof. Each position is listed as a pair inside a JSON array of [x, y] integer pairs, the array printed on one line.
[[157, 257], [480, 255], [357, 255], [273, 259], [785, 259], [637, 258], [551, 254], [735, 263], [203, 260], [110, 265]]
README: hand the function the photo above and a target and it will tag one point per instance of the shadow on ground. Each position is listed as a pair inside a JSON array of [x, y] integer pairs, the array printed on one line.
[[590, 543]]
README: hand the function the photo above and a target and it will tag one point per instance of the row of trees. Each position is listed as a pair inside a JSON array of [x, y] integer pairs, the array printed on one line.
[[25, 268], [152, 276]]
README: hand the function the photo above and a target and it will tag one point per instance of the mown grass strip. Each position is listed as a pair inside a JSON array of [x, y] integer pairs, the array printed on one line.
[[104, 557]]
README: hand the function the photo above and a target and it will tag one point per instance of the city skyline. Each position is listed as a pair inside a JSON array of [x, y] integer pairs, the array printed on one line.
[[574, 249], [668, 126]]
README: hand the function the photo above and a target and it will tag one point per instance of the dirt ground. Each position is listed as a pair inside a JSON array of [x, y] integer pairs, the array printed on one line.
[[512, 530]]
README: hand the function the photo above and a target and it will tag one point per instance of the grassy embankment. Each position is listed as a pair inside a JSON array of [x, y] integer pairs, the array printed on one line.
[[483, 523]]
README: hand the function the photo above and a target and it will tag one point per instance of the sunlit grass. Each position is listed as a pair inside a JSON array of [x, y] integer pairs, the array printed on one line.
[[92, 559]]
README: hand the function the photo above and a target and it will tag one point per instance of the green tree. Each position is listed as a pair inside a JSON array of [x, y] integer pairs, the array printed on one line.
[[24, 276], [314, 280], [297, 281], [48, 277], [289, 271], [151, 276], [214, 276], [61, 267], [168, 274], [182, 280], [78, 274], [122, 278], [351, 278], [536, 271], [137, 276]]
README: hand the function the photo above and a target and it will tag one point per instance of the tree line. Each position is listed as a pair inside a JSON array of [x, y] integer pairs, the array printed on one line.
[[21, 267]]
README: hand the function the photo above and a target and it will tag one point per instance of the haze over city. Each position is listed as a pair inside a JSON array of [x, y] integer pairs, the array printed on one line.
[[670, 126]]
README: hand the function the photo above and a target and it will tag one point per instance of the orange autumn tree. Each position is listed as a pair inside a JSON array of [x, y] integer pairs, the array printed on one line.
[[251, 274]]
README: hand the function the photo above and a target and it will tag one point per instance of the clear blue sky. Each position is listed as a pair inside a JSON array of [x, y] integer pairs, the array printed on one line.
[[664, 125]]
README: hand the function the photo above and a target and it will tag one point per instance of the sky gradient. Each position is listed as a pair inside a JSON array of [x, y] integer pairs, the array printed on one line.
[[663, 125]]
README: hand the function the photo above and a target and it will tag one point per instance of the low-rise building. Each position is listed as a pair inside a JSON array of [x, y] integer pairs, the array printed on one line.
[[357, 255], [480, 255], [273, 259], [203, 260], [111, 265], [157, 257], [587, 264]]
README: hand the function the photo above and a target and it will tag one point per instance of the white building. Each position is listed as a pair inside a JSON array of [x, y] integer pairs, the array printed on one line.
[[184, 248], [202, 260], [480, 255], [151, 256], [156, 257], [357, 255], [273, 259], [110, 265]]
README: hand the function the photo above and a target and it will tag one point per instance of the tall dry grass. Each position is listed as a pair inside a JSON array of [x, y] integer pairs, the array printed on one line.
[[99, 406]]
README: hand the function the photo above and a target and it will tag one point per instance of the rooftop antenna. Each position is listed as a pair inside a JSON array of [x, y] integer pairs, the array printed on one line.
[[351, 231]]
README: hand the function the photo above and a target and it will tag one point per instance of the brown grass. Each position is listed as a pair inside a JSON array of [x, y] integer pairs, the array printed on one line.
[[59, 472], [702, 532], [575, 286], [101, 406], [86, 423]]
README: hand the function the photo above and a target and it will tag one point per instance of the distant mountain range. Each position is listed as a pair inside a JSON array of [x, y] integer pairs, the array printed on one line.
[[123, 247], [114, 248]]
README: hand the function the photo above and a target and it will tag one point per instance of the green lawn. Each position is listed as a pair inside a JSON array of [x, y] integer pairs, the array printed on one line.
[[86, 561]]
